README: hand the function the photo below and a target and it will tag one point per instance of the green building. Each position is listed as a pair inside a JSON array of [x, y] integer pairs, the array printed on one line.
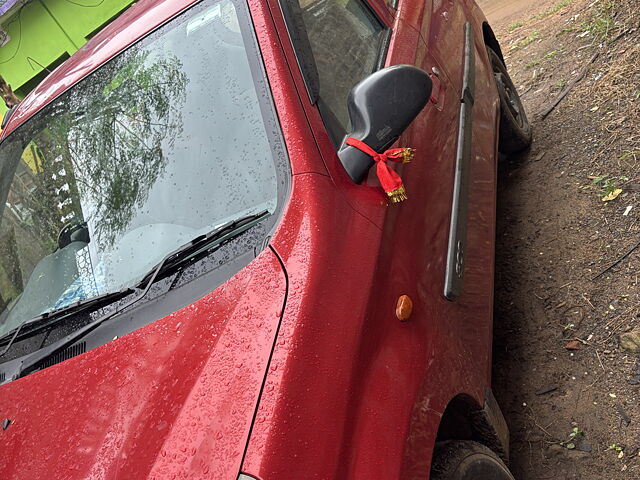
[[38, 35]]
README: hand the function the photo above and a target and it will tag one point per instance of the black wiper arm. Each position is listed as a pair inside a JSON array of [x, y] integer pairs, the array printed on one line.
[[206, 242], [211, 240], [49, 318]]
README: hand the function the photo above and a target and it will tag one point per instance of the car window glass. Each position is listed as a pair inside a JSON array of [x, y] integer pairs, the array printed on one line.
[[162, 144], [346, 40]]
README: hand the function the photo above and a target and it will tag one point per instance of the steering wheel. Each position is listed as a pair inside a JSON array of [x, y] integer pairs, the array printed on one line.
[[74, 231]]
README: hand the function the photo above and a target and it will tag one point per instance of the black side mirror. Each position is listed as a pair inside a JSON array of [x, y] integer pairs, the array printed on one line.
[[381, 107]]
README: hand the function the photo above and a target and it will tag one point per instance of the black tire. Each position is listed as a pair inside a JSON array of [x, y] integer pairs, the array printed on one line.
[[466, 460], [515, 129]]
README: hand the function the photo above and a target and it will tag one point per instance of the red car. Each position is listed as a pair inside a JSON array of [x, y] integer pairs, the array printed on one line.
[[201, 274]]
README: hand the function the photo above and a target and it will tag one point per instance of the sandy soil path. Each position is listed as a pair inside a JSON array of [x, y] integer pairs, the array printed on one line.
[[499, 10]]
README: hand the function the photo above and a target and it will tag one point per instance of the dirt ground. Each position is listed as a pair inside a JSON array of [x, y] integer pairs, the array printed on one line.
[[568, 255], [497, 11]]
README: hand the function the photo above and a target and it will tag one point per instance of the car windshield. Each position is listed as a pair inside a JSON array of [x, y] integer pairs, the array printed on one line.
[[161, 144]]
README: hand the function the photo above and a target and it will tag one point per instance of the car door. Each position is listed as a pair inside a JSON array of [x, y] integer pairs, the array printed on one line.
[[437, 247], [443, 33], [455, 39], [403, 366]]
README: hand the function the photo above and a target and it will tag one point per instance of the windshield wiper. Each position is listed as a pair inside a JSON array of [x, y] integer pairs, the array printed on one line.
[[205, 243], [49, 318], [180, 257]]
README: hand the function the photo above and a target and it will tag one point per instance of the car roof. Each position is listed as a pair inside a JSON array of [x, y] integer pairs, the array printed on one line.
[[142, 18]]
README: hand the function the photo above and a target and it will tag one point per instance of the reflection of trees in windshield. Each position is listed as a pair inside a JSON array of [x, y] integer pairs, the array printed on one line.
[[95, 153], [109, 136], [10, 275], [30, 217]]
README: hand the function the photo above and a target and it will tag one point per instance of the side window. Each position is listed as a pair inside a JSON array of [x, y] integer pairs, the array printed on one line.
[[346, 41]]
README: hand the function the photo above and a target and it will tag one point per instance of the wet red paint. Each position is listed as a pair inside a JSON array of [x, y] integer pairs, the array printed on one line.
[[350, 391], [169, 400]]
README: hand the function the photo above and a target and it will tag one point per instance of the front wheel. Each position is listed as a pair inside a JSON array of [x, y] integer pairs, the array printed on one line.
[[466, 460], [515, 130]]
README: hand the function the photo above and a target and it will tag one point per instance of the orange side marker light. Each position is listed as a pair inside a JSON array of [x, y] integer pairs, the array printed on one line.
[[404, 308]]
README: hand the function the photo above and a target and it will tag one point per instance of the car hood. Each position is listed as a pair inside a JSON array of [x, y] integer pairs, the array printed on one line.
[[174, 399]]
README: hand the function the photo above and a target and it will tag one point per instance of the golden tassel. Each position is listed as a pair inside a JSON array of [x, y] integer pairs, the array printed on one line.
[[398, 195], [408, 154]]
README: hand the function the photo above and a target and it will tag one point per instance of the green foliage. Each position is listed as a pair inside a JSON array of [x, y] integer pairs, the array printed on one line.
[[533, 36], [630, 154], [515, 26], [601, 22], [549, 55], [565, 31], [10, 273], [617, 448], [604, 184], [553, 10], [574, 436]]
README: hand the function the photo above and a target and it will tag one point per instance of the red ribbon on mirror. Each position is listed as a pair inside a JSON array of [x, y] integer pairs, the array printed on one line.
[[389, 179]]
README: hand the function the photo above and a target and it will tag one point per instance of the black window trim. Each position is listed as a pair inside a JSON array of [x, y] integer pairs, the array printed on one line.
[[297, 33], [299, 38]]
